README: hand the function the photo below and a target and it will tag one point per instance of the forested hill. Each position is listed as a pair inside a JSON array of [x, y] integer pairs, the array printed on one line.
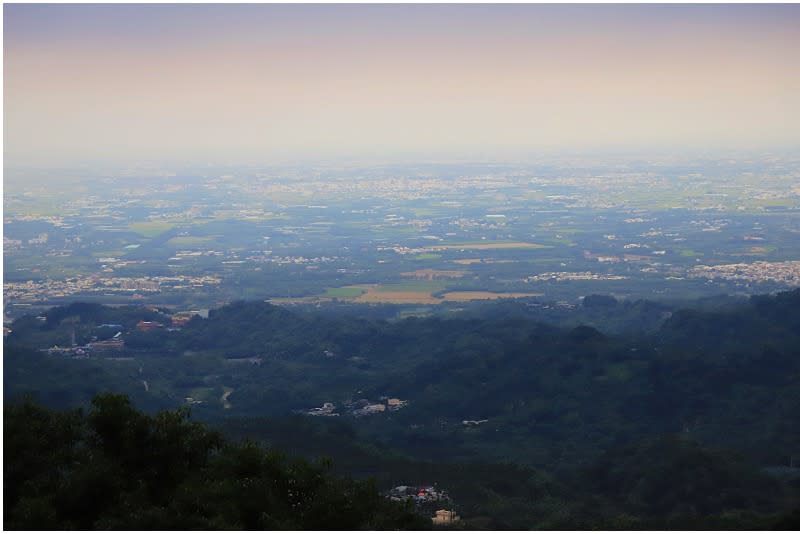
[[726, 376], [498, 388]]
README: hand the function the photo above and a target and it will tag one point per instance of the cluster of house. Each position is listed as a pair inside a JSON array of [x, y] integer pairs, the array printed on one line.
[[112, 344], [116, 343], [177, 320], [146, 326], [358, 408], [418, 494], [363, 407], [327, 410], [428, 500]]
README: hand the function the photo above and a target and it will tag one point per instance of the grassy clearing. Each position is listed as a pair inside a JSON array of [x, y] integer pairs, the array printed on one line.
[[347, 292], [420, 285], [109, 254], [427, 256]]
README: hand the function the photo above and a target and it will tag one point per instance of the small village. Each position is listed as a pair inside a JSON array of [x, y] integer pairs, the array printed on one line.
[[358, 408], [115, 343], [429, 501]]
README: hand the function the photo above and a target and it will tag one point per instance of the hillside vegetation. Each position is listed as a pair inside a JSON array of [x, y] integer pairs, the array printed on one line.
[[705, 397], [116, 468]]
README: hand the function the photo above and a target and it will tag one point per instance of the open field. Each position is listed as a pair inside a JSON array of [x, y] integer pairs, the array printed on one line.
[[429, 286], [375, 296], [109, 254], [418, 294], [463, 296], [347, 292]]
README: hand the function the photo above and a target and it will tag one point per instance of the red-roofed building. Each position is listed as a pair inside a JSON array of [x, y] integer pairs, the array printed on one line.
[[148, 325]]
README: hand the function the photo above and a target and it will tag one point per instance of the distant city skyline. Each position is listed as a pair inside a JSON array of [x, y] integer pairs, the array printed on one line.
[[260, 83]]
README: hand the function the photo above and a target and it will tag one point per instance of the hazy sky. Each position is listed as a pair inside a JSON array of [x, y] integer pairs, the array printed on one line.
[[253, 83]]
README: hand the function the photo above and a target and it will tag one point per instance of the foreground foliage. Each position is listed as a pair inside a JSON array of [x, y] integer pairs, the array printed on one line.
[[117, 468]]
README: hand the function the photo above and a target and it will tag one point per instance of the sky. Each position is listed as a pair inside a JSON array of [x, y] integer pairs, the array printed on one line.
[[254, 83]]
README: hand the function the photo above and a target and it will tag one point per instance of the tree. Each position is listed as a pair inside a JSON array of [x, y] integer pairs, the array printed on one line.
[[118, 468]]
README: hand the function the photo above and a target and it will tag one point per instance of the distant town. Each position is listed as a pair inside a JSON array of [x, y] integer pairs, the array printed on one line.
[[420, 235]]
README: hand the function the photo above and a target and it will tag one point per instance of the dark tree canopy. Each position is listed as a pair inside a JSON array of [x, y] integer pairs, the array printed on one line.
[[118, 468]]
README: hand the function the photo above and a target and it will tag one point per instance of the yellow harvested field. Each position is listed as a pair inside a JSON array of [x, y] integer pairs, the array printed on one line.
[[461, 296], [379, 294], [374, 296], [468, 261], [397, 297], [488, 246]]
